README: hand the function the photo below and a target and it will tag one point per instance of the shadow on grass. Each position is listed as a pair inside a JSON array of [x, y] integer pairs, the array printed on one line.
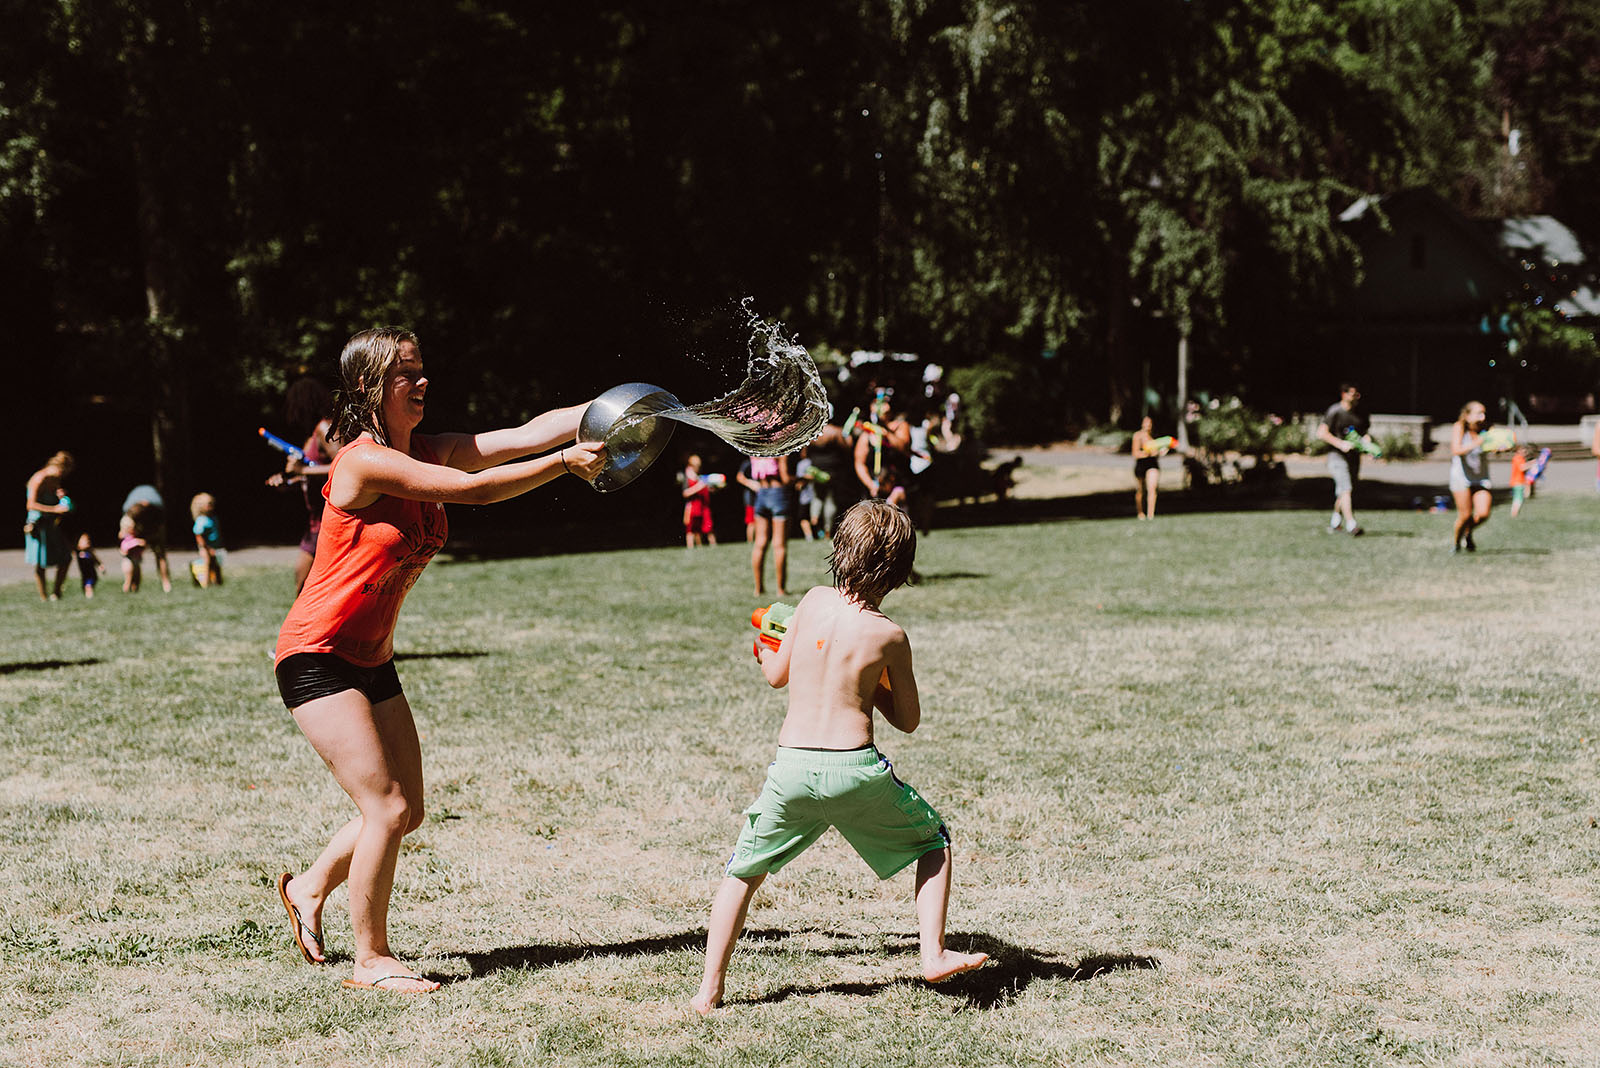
[[518, 958], [1011, 968], [928, 578], [47, 665], [451, 654]]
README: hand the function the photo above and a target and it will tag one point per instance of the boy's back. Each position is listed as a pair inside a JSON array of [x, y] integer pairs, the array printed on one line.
[[833, 660]]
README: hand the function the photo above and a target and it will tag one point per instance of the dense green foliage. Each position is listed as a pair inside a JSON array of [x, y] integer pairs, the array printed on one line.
[[199, 198]]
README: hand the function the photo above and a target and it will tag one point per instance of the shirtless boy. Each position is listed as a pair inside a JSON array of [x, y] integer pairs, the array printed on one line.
[[841, 658]]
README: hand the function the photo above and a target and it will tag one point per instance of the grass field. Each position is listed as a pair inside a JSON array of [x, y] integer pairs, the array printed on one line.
[[1224, 790]]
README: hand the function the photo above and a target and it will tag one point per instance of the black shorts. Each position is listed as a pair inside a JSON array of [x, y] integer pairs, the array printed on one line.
[[307, 676]]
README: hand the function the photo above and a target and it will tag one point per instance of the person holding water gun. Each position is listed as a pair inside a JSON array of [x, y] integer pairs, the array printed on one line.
[[832, 654], [1147, 453], [1527, 465], [1344, 430], [699, 527], [1469, 474], [308, 410], [882, 448]]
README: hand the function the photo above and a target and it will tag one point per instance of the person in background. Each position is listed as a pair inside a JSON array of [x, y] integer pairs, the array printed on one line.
[[749, 487], [1344, 457], [699, 525], [1469, 475], [308, 410], [89, 566], [42, 544], [774, 502], [207, 567], [149, 511], [1520, 486], [131, 544]]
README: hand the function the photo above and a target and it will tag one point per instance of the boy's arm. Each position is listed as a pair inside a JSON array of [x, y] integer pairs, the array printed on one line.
[[898, 701], [775, 662]]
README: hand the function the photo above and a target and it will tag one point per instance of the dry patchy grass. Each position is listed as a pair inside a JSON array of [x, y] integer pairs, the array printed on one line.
[[1224, 790]]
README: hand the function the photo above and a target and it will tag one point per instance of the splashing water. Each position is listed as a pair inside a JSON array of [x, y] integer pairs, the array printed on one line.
[[780, 406]]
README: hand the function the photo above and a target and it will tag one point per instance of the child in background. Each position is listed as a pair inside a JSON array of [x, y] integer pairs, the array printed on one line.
[[89, 565], [699, 525], [1520, 487], [131, 544], [841, 658], [207, 568]]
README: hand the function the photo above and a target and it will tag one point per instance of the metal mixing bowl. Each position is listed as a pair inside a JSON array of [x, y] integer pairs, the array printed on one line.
[[632, 443]]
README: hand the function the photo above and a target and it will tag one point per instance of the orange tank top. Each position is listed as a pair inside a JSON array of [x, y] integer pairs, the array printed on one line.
[[366, 562]]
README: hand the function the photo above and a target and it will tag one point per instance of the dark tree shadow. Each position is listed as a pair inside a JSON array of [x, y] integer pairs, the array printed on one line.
[[47, 665], [452, 654], [1011, 968]]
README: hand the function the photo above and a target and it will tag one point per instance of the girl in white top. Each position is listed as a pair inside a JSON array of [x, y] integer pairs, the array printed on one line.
[[1469, 474]]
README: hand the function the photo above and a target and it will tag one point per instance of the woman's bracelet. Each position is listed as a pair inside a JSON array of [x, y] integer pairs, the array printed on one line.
[[564, 466]]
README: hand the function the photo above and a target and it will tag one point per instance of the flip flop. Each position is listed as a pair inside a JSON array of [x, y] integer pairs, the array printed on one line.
[[298, 926], [377, 984]]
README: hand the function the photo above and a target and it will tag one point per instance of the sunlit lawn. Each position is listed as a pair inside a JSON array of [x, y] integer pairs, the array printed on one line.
[[1224, 790]]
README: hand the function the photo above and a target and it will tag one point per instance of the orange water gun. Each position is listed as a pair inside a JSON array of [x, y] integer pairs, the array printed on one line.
[[773, 624]]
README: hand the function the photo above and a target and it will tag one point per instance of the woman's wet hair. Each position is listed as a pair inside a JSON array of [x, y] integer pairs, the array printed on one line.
[[363, 366]]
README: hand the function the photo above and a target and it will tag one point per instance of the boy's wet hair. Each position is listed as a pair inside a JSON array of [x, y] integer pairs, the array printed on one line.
[[874, 548]]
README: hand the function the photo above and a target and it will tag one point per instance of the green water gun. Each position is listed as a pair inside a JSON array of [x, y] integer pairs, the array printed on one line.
[[1157, 446], [773, 623], [1369, 447]]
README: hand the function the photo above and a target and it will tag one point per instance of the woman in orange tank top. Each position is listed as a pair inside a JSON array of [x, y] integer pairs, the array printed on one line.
[[384, 520]]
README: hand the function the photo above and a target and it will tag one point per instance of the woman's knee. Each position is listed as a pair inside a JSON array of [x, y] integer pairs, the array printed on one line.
[[414, 814], [392, 811]]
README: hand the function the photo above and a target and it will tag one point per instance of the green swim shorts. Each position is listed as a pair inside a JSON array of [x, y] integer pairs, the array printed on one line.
[[809, 790]]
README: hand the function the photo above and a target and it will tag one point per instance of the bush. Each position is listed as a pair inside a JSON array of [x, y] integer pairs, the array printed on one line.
[[1398, 447], [1107, 436], [1004, 400], [1230, 425]]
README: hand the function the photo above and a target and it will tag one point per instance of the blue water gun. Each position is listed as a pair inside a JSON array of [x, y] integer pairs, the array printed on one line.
[[294, 452]]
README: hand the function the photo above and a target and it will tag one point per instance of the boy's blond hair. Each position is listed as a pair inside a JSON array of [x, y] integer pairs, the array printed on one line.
[[201, 502], [874, 548]]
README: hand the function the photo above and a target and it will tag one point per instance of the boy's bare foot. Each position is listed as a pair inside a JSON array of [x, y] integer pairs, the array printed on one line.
[[705, 1003], [388, 974], [948, 963]]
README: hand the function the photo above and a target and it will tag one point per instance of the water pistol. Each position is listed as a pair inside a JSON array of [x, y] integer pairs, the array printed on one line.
[[1157, 446], [1362, 444], [294, 452], [773, 623], [1497, 439], [1536, 469]]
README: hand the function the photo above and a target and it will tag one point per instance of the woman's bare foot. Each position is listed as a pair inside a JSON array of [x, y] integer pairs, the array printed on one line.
[[305, 919], [948, 963], [705, 1002], [388, 974]]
